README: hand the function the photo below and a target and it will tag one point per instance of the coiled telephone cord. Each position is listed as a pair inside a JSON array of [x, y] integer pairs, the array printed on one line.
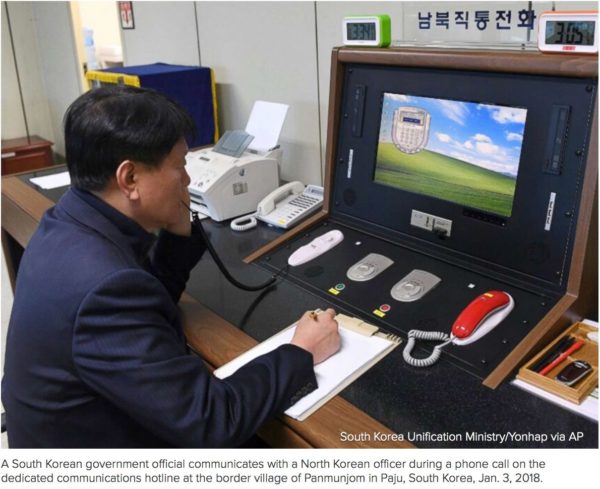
[[414, 335]]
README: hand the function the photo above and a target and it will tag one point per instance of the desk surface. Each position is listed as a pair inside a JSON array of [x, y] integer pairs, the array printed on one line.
[[438, 407]]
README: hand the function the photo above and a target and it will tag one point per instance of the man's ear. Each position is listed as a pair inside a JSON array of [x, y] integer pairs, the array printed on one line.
[[127, 179]]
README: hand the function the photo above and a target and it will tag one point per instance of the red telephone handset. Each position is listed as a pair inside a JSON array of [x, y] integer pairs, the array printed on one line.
[[475, 321], [481, 316]]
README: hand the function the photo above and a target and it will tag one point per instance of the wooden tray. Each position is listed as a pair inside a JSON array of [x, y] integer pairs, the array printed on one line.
[[588, 352]]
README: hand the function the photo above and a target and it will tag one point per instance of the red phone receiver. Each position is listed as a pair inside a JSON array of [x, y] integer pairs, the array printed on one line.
[[477, 319], [481, 316]]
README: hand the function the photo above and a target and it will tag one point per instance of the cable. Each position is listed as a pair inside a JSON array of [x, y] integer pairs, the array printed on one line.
[[197, 223], [244, 223], [415, 334]]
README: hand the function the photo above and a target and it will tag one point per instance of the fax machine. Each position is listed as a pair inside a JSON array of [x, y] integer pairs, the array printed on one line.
[[224, 186]]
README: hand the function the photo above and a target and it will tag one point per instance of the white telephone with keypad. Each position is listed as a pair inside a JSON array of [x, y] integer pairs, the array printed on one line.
[[284, 206], [290, 203]]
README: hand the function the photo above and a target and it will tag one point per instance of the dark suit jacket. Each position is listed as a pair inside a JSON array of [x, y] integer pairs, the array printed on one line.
[[96, 357]]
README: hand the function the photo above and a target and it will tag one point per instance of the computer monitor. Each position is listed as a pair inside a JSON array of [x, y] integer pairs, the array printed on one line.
[[458, 151], [478, 165]]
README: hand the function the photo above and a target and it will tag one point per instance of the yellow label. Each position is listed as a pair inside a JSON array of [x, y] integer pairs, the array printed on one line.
[[334, 291], [379, 313], [107, 77]]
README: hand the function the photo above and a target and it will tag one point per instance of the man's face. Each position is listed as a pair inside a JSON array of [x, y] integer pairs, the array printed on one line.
[[162, 189]]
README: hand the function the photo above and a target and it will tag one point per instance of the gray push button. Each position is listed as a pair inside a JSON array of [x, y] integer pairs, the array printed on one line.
[[369, 267], [414, 286]]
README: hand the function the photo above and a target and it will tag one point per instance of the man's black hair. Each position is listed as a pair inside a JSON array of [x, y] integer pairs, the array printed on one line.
[[110, 124]]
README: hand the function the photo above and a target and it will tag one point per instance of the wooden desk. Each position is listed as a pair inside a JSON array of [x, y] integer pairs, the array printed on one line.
[[25, 154], [216, 340]]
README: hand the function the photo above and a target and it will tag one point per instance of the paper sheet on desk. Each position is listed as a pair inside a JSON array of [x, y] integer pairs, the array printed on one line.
[[52, 181], [265, 124], [356, 352]]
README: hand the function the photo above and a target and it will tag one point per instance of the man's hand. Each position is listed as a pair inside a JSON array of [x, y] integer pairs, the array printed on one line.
[[318, 334], [183, 227]]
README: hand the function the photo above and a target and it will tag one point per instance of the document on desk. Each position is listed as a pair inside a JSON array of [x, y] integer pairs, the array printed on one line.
[[362, 346], [55, 180]]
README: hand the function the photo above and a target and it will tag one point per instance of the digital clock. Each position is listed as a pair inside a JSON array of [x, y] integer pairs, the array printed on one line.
[[568, 32], [367, 30]]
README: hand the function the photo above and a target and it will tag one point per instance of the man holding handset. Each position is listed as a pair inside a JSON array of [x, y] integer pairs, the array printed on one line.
[[96, 355]]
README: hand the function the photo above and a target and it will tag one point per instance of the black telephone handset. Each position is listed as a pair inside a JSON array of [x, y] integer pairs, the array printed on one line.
[[197, 224]]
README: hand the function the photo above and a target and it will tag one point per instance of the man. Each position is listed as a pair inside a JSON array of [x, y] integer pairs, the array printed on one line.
[[95, 352]]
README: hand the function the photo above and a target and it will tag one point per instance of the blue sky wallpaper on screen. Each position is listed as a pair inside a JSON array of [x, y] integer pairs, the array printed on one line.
[[489, 136]]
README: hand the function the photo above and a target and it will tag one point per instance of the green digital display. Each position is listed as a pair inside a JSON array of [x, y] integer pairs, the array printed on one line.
[[360, 31]]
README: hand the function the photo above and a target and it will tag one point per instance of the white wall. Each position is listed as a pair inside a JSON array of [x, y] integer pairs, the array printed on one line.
[[164, 32], [280, 51], [267, 51], [329, 35], [58, 60], [457, 34], [13, 119], [39, 118], [473, 34], [277, 51]]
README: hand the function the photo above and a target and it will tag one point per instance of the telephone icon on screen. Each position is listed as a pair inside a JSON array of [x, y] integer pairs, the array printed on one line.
[[410, 129], [284, 206]]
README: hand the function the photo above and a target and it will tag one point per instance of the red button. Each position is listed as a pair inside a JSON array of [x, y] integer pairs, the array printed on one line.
[[384, 307]]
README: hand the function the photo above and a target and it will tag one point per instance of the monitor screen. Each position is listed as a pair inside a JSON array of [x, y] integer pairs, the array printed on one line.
[[463, 152]]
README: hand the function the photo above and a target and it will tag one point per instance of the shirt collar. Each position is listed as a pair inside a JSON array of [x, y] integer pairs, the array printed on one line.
[[135, 235]]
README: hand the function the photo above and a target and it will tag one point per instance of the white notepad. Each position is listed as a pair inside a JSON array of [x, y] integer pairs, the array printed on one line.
[[361, 347]]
